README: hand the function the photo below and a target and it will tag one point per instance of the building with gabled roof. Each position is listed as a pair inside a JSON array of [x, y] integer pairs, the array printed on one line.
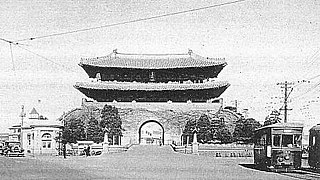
[[37, 135]]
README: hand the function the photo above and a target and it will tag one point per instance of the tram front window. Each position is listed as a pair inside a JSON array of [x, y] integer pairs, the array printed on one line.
[[287, 140], [297, 140], [276, 140]]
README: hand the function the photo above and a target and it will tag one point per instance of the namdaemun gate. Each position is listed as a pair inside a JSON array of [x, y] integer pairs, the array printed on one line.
[[155, 93]]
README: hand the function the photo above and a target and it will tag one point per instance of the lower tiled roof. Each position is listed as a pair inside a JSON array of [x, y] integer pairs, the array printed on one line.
[[124, 86]]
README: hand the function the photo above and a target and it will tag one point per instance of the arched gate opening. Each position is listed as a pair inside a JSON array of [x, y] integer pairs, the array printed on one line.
[[151, 132]]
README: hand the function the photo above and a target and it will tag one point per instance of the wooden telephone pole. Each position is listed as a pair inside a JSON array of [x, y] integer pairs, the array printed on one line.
[[286, 87], [22, 115]]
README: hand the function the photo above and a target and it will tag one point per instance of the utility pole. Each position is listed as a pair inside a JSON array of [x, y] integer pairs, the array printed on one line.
[[286, 95], [22, 115]]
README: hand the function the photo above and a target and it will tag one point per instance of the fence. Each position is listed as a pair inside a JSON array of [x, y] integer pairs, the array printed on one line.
[[219, 150]]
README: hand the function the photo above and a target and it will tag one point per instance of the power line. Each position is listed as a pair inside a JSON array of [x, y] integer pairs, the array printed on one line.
[[7, 41], [47, 59], [130, 21], [313, 59], [309, 90], [13, 66]]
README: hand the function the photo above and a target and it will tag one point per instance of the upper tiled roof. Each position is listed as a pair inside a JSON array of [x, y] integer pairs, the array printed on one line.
[[153, 61]]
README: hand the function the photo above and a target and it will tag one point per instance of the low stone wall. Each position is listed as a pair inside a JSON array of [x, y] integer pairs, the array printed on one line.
[[219, 150], [182, 149], [117, 149]]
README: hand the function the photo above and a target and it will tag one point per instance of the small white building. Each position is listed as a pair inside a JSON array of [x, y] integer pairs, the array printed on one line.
[[38, 135]]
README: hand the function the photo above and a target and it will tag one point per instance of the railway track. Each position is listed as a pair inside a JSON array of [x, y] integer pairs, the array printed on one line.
[[302, 174]]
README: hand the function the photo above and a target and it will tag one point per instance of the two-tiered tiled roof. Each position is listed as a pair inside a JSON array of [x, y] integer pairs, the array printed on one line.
[[153, 61]]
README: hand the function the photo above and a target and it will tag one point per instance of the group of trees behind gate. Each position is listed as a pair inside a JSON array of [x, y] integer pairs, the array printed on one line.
[[93, 128], [215, 130]]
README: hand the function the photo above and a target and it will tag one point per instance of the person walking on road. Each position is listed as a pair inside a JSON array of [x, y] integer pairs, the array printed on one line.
[[87, 151]]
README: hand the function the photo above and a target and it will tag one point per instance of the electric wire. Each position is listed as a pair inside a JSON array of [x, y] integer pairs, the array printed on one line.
[[47, 59], [313, 59], [130, 21], [12, 60], [306, 92]]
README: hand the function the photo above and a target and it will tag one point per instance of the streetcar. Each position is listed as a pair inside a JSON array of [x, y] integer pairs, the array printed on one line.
[[278, 146], [314, 146]]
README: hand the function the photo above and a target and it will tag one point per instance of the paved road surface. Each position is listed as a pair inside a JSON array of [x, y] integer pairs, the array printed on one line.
[[140, 162]]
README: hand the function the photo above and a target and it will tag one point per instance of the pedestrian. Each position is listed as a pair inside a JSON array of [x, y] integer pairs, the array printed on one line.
[[87, 151]]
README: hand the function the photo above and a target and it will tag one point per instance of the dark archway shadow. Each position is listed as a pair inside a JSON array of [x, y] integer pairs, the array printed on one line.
[[162, 136]]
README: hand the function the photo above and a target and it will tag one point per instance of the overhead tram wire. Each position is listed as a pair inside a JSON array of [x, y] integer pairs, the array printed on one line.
[[11, 52], [130, 21], [47, 59], [19, 46], [313, 59], [309, 90], [12, 61]]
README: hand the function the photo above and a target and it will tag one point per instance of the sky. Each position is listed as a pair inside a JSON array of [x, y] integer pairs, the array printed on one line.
[[263, 42]]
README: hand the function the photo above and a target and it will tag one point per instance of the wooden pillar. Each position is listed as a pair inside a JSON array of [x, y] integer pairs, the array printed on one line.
[[187, 140], [181, 140]]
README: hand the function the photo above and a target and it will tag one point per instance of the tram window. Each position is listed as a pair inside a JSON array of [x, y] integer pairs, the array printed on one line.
[[297, 140], [287, 140], [313, 140], [276, 140], [257, 141], [263, 140]]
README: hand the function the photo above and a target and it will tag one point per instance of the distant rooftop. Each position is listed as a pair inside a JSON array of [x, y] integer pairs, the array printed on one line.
[[34, 111]]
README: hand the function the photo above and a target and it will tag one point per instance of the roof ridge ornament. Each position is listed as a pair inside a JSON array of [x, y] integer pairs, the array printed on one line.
[[115, 51], [190, 51]]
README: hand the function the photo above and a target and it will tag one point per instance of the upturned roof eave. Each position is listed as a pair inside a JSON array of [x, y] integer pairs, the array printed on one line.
[[145, 87], [153, 61], [151, 67]]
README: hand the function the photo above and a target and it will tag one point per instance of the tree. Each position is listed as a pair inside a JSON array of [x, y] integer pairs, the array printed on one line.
[[204, 132], [74, 130], [272, 118], [111, 123], [203, 126], [244, 129], [188, 131], [224, 135], [94, 131], [216, 124]]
